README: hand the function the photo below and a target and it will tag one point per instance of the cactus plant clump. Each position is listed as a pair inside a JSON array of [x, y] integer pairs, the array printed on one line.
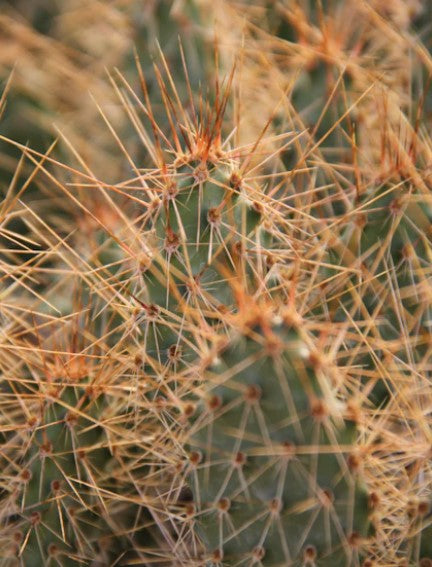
[[273, 426], [273, 439], [245, 379]]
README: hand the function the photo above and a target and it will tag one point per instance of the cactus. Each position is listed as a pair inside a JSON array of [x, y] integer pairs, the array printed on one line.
[[209, 234], [207, 221], [300, 494], [262, 309], [273, 464], [201, 212], [74, 488]]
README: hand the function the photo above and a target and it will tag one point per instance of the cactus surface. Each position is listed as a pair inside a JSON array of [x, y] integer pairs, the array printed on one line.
[[273, 468]]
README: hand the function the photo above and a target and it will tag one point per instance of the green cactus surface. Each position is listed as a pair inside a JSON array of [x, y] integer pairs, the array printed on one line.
[[71, 466], [274, 474]]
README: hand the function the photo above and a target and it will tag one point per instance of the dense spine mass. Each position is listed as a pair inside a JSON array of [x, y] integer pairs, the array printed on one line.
[[245, 377]]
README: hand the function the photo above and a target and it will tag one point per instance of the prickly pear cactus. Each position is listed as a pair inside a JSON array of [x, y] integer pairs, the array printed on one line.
[[191, 224], [390, 234], [203, 212], [71, 492], [275, 477], [200, 222], [273, 469]]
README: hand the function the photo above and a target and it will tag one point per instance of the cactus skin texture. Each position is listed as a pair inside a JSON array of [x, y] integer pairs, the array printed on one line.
[[272, 467]]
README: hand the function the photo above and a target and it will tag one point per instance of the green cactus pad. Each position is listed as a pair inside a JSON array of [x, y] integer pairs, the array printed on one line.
[[272, 468]]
